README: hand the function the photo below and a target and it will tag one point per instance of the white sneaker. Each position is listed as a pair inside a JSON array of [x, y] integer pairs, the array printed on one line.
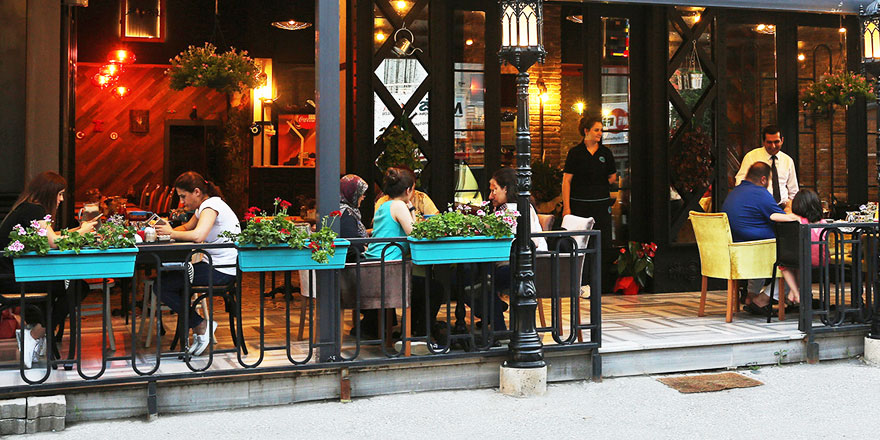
[[201, 342]]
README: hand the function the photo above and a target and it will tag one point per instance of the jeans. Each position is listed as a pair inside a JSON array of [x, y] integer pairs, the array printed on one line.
[[501, 283], [174, 282]]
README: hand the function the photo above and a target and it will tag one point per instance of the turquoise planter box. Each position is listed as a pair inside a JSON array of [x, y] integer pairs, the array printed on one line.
[[68, 265], [446, 250], [281, 257]]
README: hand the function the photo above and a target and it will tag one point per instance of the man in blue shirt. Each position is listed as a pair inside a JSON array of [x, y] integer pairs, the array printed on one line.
[[751, 211]]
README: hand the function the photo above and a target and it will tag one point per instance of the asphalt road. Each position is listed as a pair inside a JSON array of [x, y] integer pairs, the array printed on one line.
[[830, 400]]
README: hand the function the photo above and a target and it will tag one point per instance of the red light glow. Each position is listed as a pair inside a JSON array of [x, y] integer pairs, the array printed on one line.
[[120, 92], [121, 56]]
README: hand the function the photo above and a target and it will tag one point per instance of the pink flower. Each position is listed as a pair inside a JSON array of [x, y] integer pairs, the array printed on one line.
[[19, 229], [47, 218], [481, 213], [35, 224], [41, 232], [498, 214], [16, 246]]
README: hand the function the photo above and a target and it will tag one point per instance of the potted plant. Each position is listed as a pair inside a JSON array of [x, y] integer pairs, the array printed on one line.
[[108, 252], [841, 88], [400, 149], [635, 265], [458, 236], [229, 72], [275, 243]]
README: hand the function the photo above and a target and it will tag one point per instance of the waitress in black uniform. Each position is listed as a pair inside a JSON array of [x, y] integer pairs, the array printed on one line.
[[586, 182]]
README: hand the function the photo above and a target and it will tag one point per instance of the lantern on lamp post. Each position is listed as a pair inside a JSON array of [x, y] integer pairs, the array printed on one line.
[[522, 46], [870, 25]]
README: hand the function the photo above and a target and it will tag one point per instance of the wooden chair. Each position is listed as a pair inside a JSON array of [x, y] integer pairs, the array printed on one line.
[[154, 198], [102, 309], [160, 201], [721, 258], [166, 204], [369, 287], [144, 194]]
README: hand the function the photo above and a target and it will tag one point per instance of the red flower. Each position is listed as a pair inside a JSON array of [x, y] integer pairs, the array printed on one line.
[[285, 204], [248, 216], [285, 231], [253, 210], [257, 219], [335, 213], [332, 245], [622, 250], [314, 245]]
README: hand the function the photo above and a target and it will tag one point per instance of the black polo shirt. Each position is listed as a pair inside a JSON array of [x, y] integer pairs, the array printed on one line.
[[589, 172]]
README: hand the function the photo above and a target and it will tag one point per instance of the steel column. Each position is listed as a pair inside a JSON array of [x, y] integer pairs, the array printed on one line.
[[327, 157]]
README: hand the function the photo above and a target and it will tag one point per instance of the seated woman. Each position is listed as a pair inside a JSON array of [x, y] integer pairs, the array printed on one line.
[[807, 206], [502, 190], [212, 217], [395, 218], [352, 190], [37, 203]]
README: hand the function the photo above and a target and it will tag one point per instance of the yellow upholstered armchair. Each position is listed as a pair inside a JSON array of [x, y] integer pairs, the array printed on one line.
[[721, 258]]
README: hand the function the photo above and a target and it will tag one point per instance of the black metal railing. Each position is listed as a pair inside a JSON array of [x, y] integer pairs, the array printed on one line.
[[844, 285], [444, 312]]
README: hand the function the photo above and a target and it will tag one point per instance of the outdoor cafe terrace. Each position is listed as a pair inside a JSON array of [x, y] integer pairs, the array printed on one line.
[[278, 329]]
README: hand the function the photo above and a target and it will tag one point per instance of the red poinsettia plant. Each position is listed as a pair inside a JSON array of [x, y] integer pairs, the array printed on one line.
[[635, 265], [264, 230]]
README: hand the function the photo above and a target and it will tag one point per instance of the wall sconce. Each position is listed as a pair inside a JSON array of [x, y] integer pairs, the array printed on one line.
[[578, 107], [402, 45], [120, 92]]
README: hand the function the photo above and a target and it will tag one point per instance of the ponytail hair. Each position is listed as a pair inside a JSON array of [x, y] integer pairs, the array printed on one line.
[[191, 180], [397, 180], [586, 123]]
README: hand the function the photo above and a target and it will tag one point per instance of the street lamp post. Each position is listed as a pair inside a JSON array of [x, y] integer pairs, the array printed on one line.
[[522, 46], [870, 26]]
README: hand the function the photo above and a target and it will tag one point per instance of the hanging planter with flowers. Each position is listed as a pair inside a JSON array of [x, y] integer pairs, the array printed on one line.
[[229, 72], [108, 252], [276, 243], [840, 88], [458, 236]]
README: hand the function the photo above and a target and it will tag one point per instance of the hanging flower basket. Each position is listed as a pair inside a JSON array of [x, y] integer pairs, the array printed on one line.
[[839, 88], [228, 72]]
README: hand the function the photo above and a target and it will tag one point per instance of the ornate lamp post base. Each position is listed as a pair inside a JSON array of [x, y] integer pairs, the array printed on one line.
[[524, 382]]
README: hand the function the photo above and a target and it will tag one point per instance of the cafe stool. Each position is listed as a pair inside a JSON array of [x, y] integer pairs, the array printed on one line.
[[150, 305], [102, 309], [228, 293]]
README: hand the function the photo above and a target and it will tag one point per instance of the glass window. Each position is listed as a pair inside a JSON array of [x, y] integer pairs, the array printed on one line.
[[615, 117], [469, 51], [822, 138]]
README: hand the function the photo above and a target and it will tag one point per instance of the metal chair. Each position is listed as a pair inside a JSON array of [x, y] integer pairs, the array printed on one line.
[[233, 309], [102, 309], [396, 292], [788, 251]]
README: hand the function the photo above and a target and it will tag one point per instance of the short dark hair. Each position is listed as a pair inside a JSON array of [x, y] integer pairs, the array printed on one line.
[[757, 171], [587, 122], [506, 178], [770, 129], [807, 205], [397, 180]]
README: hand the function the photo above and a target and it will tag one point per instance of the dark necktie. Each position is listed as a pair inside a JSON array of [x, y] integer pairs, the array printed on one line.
[[775, 178]]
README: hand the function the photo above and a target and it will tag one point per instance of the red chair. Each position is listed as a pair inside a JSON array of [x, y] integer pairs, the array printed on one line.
[[160, 201], [144, 196], [166, 205], [154, 198]]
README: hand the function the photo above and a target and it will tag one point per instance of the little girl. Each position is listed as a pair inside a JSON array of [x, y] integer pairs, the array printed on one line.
[[805, 205]]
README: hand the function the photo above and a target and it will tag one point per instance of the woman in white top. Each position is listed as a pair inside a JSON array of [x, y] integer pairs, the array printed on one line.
[[212, 217]]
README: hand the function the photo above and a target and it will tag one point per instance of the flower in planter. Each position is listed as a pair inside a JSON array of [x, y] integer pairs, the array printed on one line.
[[264, 230], [113, 233], [466, 221], [635, 265]]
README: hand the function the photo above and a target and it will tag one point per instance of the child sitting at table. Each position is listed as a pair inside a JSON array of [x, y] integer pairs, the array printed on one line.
[[807, 206], [212, 217]]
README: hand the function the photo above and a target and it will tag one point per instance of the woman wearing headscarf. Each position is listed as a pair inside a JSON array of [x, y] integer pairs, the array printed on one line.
[[351, 193]]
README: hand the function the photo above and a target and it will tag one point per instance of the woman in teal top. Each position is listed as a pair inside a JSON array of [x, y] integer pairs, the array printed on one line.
[[394, 218]]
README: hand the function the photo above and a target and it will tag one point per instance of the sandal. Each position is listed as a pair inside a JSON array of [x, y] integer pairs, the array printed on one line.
[[756, 310]]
